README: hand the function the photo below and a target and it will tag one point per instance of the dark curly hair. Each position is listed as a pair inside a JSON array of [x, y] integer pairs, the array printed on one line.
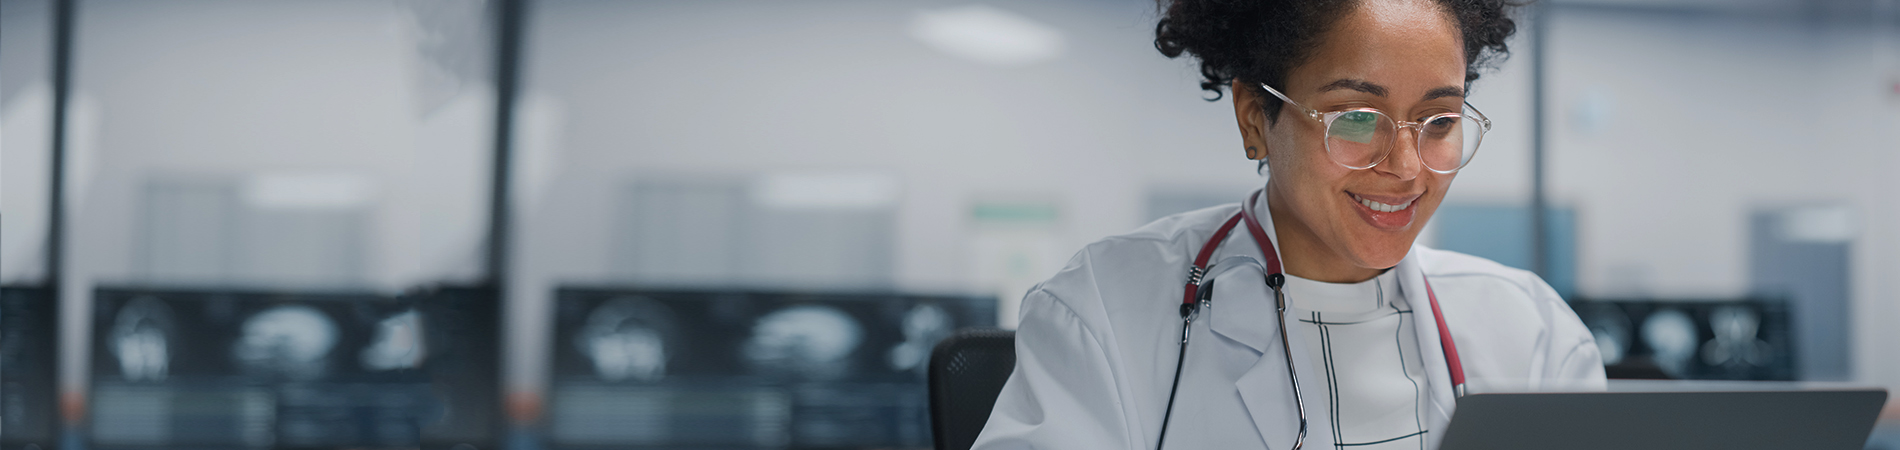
[[1261, 40]]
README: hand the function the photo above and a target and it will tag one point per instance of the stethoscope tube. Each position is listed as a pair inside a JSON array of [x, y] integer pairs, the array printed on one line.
[[1276, 281], [1204, 298]]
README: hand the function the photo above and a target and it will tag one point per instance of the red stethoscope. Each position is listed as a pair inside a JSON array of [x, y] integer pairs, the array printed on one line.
[[1199, 293]]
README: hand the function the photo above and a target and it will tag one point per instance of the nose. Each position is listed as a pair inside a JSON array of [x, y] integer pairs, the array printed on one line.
[[1404, 161]]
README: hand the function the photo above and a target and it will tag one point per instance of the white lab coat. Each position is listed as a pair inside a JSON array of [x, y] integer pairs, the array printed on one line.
[[1097, 344]]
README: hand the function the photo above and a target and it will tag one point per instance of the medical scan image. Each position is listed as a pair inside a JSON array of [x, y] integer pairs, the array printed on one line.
[[1611, 327], [398, 344], [1736, 345], [626, 339], [810, 341], [141, 339], [290, 342], [923, 325], [1671, 334]]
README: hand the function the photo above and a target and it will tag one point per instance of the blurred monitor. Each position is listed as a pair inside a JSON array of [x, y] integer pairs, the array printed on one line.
[[29, 412], [238, 369], [1741, 339], [742, 369]]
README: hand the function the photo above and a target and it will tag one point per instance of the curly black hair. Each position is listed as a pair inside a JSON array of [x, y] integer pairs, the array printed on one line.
[[1261, 40]]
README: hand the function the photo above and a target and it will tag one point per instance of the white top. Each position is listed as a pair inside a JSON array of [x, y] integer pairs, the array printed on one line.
[[1097, 345], [1362, 336]]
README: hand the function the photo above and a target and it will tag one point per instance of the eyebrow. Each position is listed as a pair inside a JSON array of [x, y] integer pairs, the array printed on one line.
[[1447, 91], [1374, 89], [1357, 85]]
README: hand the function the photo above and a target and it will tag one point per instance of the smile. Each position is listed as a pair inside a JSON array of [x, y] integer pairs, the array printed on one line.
[[1382, 207], [1386, 212]]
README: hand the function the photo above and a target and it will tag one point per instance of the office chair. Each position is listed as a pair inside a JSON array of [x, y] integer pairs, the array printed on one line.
[[967, 371]]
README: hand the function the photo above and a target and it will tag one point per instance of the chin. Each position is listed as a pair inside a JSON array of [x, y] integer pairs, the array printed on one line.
[[1381, 252]]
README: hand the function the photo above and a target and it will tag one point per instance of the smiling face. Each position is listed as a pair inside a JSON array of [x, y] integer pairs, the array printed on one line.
[[1338, 224]]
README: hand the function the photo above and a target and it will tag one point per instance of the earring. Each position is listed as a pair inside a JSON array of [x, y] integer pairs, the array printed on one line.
[[1252, 152]]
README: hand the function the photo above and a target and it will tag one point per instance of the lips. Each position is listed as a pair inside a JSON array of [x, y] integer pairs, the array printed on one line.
[[1385, 212]]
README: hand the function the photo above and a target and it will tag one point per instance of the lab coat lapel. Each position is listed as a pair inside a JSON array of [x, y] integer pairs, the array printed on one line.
[[1246, 315], [1438, 376], [1268, 394]]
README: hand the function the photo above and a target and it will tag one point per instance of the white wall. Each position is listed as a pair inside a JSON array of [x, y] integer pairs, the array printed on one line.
[[25, 127]]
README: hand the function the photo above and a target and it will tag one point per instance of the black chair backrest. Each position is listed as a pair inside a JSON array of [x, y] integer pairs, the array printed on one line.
[[967, 371]]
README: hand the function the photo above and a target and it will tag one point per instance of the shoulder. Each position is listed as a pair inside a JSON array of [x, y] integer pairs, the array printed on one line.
[[1517, 308], [1507, 281], [1502, 292], [1131, 271]]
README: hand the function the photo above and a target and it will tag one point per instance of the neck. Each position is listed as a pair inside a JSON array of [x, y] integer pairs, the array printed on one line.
[[1303, 254]]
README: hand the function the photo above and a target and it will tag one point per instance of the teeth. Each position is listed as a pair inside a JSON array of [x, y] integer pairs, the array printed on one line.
[[1381, 207]]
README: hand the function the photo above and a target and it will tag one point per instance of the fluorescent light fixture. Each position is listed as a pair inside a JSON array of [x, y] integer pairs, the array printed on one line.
[[824, 191], [986, 34], [307, 191]]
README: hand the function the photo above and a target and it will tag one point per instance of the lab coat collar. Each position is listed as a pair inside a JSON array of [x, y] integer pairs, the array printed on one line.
[[1245, 302]]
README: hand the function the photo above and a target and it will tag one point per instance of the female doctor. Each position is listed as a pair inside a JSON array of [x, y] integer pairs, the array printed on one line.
[[1357, 111]]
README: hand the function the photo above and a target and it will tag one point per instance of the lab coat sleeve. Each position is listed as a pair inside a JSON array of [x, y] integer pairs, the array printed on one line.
[[1062, 394]]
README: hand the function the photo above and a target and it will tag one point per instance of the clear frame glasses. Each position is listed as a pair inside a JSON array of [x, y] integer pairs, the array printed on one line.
[[1361, 138]]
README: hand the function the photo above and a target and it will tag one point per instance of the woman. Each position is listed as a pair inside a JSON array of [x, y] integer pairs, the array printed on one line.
[[1356, 109]]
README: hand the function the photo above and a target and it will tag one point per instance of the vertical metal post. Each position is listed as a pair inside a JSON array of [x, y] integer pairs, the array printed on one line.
[[63, 12], [508, 25], [1540, 229], [70, 406]]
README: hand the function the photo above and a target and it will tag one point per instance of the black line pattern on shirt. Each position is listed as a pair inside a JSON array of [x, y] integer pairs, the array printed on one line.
[[1332, 380], [1421, 442], [1418, 400], [1396, 311]]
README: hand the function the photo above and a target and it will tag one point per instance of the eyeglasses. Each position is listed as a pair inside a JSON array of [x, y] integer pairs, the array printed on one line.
[[1361, 138]]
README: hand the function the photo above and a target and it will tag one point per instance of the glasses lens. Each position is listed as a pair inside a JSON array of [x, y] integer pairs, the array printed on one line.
[[1357, 138], [1448, 142]]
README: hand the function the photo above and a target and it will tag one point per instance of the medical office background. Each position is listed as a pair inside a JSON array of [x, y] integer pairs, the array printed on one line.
[[539, 152]]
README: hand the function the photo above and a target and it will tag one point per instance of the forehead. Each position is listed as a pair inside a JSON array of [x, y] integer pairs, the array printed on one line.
[[1407, 46]]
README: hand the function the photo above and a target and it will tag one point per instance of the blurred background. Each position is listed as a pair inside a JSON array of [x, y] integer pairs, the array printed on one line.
[[578, 224]]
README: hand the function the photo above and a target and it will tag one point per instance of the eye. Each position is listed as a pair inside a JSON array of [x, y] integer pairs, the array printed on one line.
[[1358, 126], [1442, 124], [1359, 117]]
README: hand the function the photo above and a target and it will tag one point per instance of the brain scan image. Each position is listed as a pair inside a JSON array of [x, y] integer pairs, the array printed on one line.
[[626, 339], [1611, 328], [809, 341], [923, 325], [288, 341], [1736, 344], [398, 343], [141, 339], [1671, 335]]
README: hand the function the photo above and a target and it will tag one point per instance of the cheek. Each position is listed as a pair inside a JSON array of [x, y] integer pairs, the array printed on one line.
[[1316, 178]]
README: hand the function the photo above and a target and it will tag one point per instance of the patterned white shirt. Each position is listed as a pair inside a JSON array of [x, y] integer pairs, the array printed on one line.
[[1362, 335]]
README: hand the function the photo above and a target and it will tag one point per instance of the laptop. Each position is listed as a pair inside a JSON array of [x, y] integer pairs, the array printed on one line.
[[1839, 419]]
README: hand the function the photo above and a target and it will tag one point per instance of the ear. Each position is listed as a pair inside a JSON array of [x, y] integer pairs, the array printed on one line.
[[1252, 120]]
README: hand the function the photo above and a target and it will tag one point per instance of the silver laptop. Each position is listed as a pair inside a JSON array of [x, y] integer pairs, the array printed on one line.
[[1838, 419]]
